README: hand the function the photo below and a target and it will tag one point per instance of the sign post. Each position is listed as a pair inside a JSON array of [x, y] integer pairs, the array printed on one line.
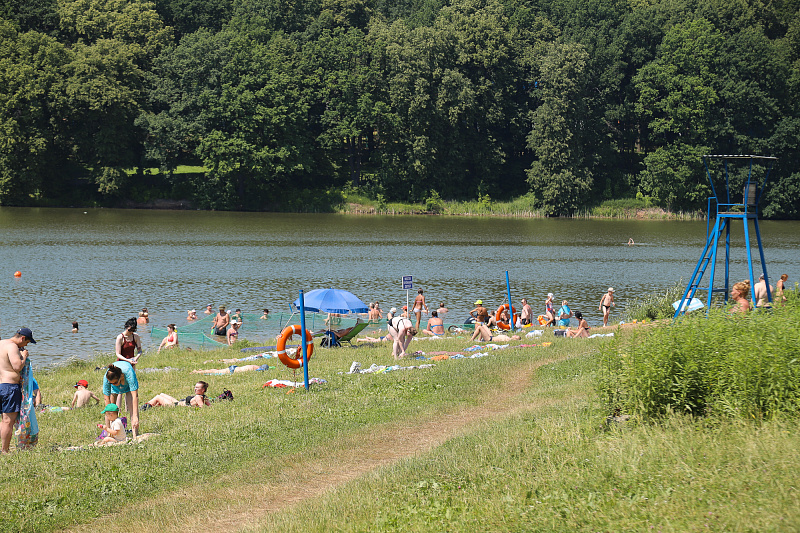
[[407, 285]]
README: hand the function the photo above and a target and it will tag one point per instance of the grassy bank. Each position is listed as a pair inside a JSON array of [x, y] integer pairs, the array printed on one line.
[[558, 467], [523, 207], [543, 458]]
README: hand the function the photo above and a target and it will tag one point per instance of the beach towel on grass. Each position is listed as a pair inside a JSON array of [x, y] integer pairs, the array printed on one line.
[[26, 429]]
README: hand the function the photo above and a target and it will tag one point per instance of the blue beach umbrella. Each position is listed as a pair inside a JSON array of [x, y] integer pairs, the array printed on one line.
[[332, 301]]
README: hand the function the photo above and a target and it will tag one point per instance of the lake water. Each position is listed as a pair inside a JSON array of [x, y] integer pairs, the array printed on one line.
[[101, 266]]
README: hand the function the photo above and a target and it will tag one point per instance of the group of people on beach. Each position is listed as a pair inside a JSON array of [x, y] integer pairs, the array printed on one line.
[[488, 327], [120, 385], [762, 294]]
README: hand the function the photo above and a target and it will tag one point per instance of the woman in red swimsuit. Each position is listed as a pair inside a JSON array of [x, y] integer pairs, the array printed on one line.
[[128, 345]]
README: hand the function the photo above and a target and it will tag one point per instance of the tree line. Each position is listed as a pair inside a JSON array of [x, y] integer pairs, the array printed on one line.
[[568, 102]]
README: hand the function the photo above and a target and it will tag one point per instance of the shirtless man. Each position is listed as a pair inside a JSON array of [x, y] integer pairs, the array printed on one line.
[[527, 312], [435, 325], [221, 321], [12, 358], [480, 313], [760, 294], [442, 310], [419, 305], [208, 310], [373, 313], [606, 303]]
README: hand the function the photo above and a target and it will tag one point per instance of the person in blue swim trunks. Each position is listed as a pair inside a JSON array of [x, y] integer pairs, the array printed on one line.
[[435, 325], [13, 356]]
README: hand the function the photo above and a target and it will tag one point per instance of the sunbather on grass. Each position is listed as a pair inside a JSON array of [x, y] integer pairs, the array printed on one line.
[[486, 335], [230, 370], [197, 399]]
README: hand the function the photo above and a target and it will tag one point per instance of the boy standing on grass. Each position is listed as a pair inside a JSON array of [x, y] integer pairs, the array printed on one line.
[[83, 395], [113, 426]]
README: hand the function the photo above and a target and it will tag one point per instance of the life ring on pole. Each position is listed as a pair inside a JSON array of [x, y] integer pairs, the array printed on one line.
[[286, 334], [499, 312]]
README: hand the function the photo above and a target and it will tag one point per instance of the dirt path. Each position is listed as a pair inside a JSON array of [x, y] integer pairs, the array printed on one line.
[[303, 478]]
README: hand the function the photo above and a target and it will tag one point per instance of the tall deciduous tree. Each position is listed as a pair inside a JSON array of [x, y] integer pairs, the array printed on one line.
[[115, 42], [256, 144], [560, 178], [677, 95], [32, 140]]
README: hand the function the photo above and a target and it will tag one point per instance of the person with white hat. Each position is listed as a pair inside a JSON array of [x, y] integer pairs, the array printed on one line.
[[233, 332], [606, 303]]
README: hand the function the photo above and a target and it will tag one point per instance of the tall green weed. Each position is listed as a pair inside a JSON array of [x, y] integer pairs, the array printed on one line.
[[655, 305], [726, 364]]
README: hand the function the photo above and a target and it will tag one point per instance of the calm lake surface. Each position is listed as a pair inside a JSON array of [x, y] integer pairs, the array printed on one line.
[[101, 266]]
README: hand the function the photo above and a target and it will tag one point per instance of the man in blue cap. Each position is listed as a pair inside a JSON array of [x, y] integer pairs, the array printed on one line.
[[13, 356]]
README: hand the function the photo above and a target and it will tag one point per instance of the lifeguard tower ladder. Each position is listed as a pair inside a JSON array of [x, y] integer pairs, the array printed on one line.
[[726, 213]]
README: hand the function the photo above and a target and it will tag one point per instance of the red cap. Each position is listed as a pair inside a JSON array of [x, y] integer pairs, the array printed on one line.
[[406, 308], [82, 383]]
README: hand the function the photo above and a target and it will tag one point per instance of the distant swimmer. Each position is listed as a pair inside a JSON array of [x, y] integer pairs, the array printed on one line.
[[191, 314], [208, 310], [265, 315], [74, 326], [630, 242]]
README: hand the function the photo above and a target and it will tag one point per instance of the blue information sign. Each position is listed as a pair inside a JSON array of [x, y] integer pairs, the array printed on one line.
[[407, 282]]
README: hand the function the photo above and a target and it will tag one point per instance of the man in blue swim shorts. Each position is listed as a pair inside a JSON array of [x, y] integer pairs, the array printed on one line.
[[13, 356]]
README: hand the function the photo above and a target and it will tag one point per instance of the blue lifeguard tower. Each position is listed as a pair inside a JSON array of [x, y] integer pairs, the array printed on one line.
[[726, 213]]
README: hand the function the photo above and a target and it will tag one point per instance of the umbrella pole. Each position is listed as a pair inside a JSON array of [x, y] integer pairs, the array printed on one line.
[[303, 337], [510, 305]]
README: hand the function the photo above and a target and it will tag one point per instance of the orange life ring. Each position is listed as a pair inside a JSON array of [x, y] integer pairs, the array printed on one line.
[[500, 310], [286, 334]]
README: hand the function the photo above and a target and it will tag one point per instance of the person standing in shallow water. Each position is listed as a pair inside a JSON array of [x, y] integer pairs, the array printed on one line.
[[419, 304], [221, 321]]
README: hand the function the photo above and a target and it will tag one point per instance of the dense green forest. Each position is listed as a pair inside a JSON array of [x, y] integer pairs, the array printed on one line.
[[565, 102]]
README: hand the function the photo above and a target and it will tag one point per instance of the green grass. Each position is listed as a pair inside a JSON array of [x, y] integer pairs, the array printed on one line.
[[524, 206], [727, 364], [53, 488], [558, 467], [655, 305], [181, 169], [547, 463]]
